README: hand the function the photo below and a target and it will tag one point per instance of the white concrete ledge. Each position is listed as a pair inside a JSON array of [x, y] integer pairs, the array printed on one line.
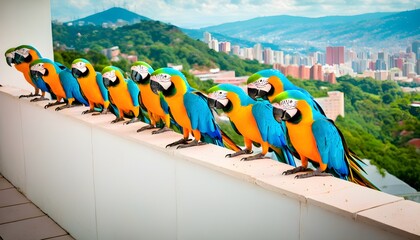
[[106, 181]]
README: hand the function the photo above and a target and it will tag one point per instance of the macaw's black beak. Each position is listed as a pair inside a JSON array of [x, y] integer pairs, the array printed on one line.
[[255, 93], [106, 82], [156, 87], [136, 76], [76, 72], [280, 115], [36, 74], [9, 61], [213, 103]]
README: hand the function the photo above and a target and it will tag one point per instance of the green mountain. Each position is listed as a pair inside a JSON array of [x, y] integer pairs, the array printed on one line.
[[382, 30], [112, 15]]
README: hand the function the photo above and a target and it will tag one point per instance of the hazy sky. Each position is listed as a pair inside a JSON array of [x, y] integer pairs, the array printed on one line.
[[201, 13]]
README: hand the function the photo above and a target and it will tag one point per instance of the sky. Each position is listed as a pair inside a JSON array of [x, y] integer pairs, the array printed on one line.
[[203, 13]]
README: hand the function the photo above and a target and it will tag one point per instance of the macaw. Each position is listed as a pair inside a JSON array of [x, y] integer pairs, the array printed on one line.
[[23, 55], [92, 85], [253, 120], [10, 57], [188, 107], [61, 81], [268, 83], [124, 93], [155, 104], [317, 139]]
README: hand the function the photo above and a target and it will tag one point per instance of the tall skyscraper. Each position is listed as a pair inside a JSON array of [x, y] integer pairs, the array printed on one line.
[[335, 55], [279, 57], [207, 37], [415, 47], [257, 51], [268, 56]]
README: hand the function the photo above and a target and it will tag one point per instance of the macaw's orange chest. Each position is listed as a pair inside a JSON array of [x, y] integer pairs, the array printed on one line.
[[121, 98], [245, 122], [91, 90], [176, 104], [303, 140]]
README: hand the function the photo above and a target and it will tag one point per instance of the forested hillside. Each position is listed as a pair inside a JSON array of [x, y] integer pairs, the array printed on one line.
[[378, 122]]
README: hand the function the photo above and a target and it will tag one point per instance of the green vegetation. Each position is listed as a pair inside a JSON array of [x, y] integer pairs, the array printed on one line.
[[379, 119]]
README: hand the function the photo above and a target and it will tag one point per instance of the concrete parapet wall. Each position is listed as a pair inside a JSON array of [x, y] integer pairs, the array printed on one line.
[[106, 181]]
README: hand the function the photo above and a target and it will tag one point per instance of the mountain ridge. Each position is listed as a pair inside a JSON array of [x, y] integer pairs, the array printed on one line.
[[112, 15]]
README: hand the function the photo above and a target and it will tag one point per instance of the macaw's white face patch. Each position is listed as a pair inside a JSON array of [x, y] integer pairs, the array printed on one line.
[[110, 75], [39, 67], [220, 96], [23, 51], [81, 66], [261, 84], [163, 79], [288, 105], [142, 70]]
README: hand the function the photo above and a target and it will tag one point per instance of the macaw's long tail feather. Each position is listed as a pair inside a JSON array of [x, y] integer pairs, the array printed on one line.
[[144, 116], [229, 143], [209, 139], [284, 155]]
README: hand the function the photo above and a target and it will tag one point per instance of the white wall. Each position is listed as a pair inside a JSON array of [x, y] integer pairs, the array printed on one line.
[[106, 181], [23, 22]]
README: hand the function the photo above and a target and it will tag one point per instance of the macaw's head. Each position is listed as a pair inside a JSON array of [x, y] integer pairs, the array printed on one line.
[[10, 56], [26, 54], [42, 67], [112, 76], [227, 96], [265, 84], [169, 81], [80, 68], [291, 106], [140, 72]]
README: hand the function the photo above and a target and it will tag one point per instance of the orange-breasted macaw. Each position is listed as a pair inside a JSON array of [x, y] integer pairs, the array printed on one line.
[[61, 81], [253, 120], [268, 83], [155, 104], [317, 139], [92, 86], [124, 94], [188, 107], [23, 55]]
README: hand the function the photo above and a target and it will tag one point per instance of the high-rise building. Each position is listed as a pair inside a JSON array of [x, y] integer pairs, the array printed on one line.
[[257, 52], [408, 67], [316, 73], [207, 37], [304, 72], [214, 44], [224, 47], [415, 47], [236, 50], [279, 57], [335, 55], [380, 64], [268, 56], [333, 105], [249, 53], [418, 67]]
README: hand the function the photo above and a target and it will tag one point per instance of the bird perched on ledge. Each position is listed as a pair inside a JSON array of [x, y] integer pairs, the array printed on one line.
[[61, 81], [317, 139], [188, 107], [253, 120], [268, 83]]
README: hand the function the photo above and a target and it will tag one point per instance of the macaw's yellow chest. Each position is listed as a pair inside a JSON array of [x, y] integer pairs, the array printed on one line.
[[54, 82], [245, 122], [151, 100], [177, 108], [91, 90], [302, 139], [121, 98]]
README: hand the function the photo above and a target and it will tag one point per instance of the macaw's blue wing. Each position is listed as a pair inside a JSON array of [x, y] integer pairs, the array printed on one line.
[[134, 91], [71, 86], [271, 131], [202, 118], [163, 104], [330, 147], [101, 85]]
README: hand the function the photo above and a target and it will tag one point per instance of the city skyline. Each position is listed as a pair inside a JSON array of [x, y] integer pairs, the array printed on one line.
[[197, 14]]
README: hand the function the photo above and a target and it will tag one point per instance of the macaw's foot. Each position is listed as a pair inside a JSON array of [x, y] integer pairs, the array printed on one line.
[[29, 95], [53, 104], [64, 107], [117, 120], [162, 130], [89, 111], [317, 172], [191, 144], [244, 151], [296, 170], [255, 157], [150, 126], [42, 98], [133, 120], [181, 141], [104, 111]]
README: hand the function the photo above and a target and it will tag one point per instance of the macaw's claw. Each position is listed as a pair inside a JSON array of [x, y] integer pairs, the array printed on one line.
[[88, 111], [145, 128], [53, 104], [117, 120], [63, 107], [39, 99], [191, 144], [181, 141], [162, 130], [29, 95], [133, 120], [295, 170], [244, 151], [255, 157], [313, 174]]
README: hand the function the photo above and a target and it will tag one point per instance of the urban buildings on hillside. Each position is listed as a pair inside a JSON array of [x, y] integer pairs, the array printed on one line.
[[333, 105]]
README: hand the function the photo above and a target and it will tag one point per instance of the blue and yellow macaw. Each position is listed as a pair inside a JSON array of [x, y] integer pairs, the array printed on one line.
[[253, 120], [268, 83], [188, 107], [316, 139], [21, 57], [92, 86], [61, 81], [124, 93], [155, 104]]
